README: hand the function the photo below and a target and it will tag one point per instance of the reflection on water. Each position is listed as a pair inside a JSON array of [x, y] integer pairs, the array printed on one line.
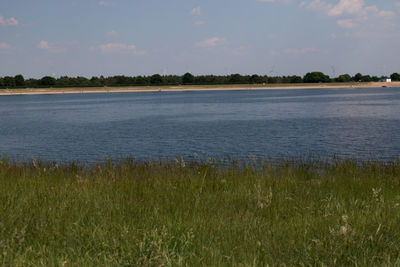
[[357, 123]]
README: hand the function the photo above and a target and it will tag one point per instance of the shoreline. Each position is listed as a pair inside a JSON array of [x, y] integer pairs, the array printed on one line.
[[189, 88]]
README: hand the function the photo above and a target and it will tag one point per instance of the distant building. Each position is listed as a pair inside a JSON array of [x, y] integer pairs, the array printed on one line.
[[385, 80]]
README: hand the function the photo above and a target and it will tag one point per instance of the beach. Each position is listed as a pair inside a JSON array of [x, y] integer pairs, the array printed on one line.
[[188, 88]]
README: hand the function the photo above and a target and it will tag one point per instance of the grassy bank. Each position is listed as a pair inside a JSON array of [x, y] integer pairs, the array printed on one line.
[[179, 213]]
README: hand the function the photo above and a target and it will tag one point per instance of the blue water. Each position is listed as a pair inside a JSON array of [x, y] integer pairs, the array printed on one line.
[[348, 123]]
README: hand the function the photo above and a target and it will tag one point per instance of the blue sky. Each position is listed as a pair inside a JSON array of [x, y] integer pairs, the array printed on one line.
[[143, 37]]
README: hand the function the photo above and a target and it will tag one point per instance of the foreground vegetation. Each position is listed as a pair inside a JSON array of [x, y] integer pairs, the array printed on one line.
[[212, 213], [187, 79]]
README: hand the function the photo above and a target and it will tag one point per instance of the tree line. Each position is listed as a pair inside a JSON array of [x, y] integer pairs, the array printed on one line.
[[19, 81]]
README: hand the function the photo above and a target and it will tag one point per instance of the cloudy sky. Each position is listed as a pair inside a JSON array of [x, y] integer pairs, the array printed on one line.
[[143, 37]]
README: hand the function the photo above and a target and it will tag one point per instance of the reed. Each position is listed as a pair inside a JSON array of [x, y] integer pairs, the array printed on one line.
[[213, 213]]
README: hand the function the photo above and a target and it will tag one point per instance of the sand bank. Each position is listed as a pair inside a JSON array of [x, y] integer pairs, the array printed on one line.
[[183, 88]]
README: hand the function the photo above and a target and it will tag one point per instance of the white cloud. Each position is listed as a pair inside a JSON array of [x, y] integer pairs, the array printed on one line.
[[351, 14], [46, 46], [353, 8], [385, 14], [8, 22], [113, 34], [212, 42], [347, 23], [317, 5], [120, 48], [196, 11], [105, 3], [4, 46]]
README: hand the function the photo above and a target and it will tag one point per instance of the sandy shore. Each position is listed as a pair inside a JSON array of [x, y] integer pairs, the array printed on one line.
[[46, 91]]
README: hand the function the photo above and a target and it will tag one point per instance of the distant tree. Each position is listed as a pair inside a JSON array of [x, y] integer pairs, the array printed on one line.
[[9, 82], [272, 79], [245, 79], [366, 78], [295, 79], [187, 78], [202, 79], [172, 80], [156, 79], [235, 78], [375, 78], [32, 83], [284, 79], [140, 80], [63, 81], [343, 78], [255, 79], [357, 77], [19, 80], [95, 81], [316, 77], [47, 81], [82, 81], [395, 76], [123, 80]]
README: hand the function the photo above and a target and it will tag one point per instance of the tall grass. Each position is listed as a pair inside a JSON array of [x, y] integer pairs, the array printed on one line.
[[186, 213]]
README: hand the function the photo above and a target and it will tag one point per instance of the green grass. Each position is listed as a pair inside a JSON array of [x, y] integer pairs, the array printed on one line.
[[208, 214]]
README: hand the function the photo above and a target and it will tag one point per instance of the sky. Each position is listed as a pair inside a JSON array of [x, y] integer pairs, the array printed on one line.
[[144, 37]]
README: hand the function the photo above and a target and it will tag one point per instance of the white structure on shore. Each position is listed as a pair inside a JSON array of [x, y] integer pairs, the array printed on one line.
[[386, 80]]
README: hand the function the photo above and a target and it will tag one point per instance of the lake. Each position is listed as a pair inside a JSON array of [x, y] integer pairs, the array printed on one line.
[[320, 123]]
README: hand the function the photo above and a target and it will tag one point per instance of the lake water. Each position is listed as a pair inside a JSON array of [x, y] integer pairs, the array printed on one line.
[[350, 123]]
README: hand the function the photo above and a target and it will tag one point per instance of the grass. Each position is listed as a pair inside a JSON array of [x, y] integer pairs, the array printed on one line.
[[200, 214]]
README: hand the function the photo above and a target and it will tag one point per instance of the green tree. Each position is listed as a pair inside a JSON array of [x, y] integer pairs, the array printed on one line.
[[343, 78], [255, 79], [32, 83], [156, 79], [316, 77], [64, 81], [187, 78], [395, 76], [19, 80], [366, 78], [47, 81], [357, 77], [140, 80], [1, 82], [375, 78], [9, 82], [172, 79], [235, 78], [95, 81], [273, 79], [82, 81], [123, 80], [296, 79]]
